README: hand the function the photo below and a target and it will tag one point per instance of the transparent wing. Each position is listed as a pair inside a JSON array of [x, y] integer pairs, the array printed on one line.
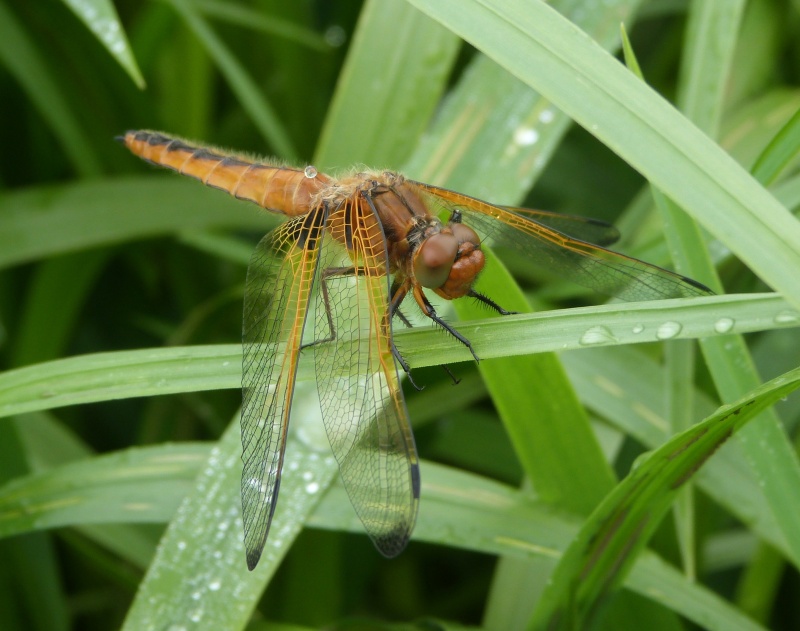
[[279, 281], [362, 404], [576, 260], [575, 226]]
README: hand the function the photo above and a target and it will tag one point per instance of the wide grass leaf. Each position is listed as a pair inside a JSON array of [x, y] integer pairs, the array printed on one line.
[[150, 372]]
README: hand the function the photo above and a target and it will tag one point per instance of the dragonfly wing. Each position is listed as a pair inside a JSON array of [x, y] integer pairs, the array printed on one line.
[[575, 226], [363, 407], [581, 262], [279, 281]]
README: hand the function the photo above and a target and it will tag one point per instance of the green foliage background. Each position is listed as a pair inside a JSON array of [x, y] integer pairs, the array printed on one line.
[[120, 285]]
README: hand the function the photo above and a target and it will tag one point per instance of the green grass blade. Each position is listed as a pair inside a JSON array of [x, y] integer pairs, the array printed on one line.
[[60, 286], [780, 152], [223, 247], [703, 75], [620, 527], [124, 374], [126, 487], [767, 448], [490, 135], [199, 573], [679, 362], [711, 36], [245, 17], [101, 18], [394, 74], [788, 192], [19, 55], [248, 93], [47, 221], [148, 372], [634, 403]]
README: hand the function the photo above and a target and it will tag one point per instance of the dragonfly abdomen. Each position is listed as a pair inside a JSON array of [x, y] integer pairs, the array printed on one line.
[[280, 189]]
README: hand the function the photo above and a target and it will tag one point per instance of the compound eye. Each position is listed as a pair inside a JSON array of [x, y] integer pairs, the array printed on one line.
[[434, 259], [464, 234]]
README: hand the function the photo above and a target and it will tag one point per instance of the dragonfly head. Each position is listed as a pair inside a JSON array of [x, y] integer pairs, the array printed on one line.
[[449, 260]]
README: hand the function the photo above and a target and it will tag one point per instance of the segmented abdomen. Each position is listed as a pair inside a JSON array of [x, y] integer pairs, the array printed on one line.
[[282, 189]]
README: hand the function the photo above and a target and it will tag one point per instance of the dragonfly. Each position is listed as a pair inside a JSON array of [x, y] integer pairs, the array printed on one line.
[[351, 251]]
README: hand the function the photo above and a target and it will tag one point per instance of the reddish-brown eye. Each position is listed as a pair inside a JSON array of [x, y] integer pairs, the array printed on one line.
[[464, 234], [469, 263], [434, 259]]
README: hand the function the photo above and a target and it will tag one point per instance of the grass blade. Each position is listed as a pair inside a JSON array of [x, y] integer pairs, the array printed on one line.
[[101, 18], [620, 527]]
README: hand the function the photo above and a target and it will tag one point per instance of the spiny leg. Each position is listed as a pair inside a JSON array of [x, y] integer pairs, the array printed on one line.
[[428, 310], [398, 294], [489, 303]]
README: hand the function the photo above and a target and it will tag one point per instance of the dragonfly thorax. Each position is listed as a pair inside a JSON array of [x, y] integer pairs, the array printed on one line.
[[444, 257]]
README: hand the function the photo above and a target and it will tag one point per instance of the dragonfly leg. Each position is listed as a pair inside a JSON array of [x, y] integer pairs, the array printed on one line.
[[399, 291], [428, 310], [449, 372], [405, 366], [402, 317], [489, 302], [331, 272], [396, 306]]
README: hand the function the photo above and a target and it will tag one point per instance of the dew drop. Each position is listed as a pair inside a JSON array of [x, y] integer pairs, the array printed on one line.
[[181, 545], [312, 488], [637, 328], [335, 36], [215, 585], [668, 330], [525, 136], [597, 335], [310, 172], [723, 325], [547, 116], [787, 317]]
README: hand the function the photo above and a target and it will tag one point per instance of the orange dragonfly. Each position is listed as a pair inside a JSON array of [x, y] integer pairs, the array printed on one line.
[[368, 240]]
